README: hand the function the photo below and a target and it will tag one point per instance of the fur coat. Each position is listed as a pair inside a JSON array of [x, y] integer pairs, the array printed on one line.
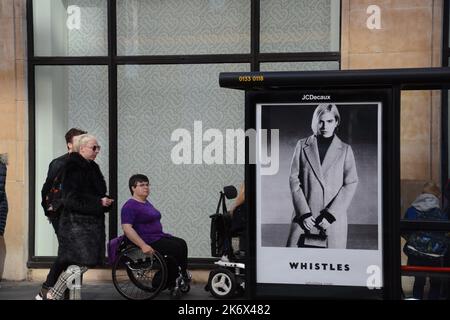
[[82, 223]]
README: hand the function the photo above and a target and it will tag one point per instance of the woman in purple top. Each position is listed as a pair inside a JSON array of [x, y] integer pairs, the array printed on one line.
[[141, 223]]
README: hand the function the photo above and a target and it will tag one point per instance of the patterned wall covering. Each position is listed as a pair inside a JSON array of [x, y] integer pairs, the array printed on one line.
[[153, 102], [300, 66], [88, 106], [156, 27], [66, 96], [92, 38], [296, 25]]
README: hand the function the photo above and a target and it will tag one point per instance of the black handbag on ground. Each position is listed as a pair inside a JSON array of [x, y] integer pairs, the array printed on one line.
[[311, 240]]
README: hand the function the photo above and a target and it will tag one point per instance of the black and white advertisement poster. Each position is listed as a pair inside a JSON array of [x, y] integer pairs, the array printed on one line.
[[319, 202]]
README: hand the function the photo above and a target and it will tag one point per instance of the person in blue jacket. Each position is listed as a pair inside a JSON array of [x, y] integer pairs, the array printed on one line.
[[422, 244]]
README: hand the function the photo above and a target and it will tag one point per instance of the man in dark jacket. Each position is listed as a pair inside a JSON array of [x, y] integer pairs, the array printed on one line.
[[53, 169], [3, 200]]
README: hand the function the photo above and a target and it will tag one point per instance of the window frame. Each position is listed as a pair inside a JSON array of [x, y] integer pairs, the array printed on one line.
[[112, 60], [445, 93]]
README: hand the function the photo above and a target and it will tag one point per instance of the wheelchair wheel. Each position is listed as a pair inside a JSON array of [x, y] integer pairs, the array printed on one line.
[[222, 283], [185, 287], [137, 276]]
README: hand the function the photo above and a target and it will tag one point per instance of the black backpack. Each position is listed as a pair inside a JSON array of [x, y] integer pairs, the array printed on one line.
[[53, 199], [218, 234], [427, 246], [221, 223]]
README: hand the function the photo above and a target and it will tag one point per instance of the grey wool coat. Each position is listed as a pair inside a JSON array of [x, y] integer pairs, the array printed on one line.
[[315, 187]]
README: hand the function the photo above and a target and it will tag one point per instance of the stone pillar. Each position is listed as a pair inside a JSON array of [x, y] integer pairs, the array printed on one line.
[[14, 136]]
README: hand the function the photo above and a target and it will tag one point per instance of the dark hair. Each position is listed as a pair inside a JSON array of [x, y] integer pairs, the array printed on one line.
[[73, 133], [135, 178]]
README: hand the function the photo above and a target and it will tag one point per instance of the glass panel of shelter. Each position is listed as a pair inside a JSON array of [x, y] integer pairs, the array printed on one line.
[[423, 196]]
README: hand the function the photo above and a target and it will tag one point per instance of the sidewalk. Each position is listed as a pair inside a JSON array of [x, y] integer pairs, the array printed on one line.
[[94, 290]]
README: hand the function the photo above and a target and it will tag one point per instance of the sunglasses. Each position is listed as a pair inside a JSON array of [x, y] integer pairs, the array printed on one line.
[[95, 148]]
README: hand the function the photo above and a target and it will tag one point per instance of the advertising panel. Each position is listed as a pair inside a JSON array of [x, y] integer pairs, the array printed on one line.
[[319, 190]]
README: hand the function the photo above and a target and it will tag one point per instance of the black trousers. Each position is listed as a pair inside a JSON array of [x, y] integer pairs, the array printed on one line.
[[175, 247], [58, 266], [420, 281]]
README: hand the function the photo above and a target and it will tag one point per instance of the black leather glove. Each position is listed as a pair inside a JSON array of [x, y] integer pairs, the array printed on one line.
[[324, 214], [300, 219]]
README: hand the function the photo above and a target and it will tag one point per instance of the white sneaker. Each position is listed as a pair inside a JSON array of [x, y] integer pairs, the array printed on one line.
[[42, 294], [225, 258]]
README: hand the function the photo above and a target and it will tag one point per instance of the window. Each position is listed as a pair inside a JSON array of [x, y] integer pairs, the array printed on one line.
[[70, 27], [188, 27], [131, 72], [66, 97], [429, 152], [154, 101]]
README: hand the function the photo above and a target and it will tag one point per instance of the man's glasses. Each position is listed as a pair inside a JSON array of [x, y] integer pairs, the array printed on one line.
[[95, 148]]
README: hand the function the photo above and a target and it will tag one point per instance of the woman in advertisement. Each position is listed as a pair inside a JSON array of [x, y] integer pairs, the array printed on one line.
[[323, 180]]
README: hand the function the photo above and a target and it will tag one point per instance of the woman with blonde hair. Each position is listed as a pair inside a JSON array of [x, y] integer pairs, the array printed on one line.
[[81, 232]]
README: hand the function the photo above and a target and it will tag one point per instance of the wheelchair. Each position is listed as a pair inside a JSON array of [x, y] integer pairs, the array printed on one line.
[[228, 279], [138, 276]]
